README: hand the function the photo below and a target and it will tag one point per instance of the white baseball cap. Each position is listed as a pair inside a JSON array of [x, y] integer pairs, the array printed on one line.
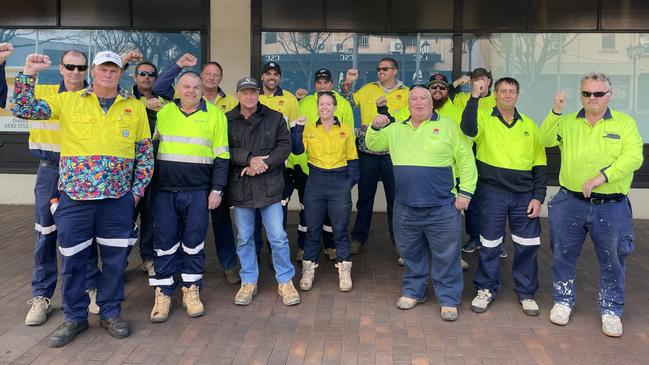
[[107, 56]]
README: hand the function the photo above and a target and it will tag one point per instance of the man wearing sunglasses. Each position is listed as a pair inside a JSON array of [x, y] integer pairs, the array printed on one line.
[[600, 150], [106, 162], [44, 144], [511, 175], [374, 165]]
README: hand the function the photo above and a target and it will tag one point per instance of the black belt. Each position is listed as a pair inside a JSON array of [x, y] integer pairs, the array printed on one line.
[[50, 164], [595, 198]]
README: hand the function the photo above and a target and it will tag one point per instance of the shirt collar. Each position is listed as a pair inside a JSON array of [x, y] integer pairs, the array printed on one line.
[[62, 88], [607, 114], [220, 92], [434, 117], [278, 92], [202, 105], [121, 92], [400, 85], [496, 113], [337, 122]]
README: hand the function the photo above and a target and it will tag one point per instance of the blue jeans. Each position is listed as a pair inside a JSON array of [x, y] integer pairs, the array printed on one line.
[[497, 207], [429, 242], [327, 193], [272, 218], [372, 169], [611, 228]]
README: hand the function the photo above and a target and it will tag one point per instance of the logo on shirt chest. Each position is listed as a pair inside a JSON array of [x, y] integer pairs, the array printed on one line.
[[125, 133], [436, 131], [526, 134], [280, 102]]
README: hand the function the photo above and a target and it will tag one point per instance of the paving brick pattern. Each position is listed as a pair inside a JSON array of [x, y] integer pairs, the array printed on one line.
[[329, 327]]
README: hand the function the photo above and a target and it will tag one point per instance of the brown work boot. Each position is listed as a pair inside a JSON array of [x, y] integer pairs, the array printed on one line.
[[344, 275], [288, 293], [232, 275], [161, 307], [192, 301], [245, 294], [308, 274]]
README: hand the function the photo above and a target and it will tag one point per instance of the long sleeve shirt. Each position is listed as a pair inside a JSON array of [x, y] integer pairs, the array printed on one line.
[[103, 154], [3, 86]]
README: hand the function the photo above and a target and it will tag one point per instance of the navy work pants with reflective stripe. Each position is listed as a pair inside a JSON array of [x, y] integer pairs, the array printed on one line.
[[45, 268], [180, 224], [496, 207], [80, 223]]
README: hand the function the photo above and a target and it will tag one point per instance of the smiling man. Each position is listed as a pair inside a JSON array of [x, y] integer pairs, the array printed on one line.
[[600, 150], [106, 163]]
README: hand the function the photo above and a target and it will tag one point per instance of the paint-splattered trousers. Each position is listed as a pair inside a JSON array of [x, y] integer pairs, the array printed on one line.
[[610, 225]]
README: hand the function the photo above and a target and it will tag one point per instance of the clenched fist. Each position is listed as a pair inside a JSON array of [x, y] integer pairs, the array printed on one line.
[[351, 76], [133, 55], [300, 93], [187, 60], [380, 121], [6, 49], [35, 63], [559, 102], [477, 88]]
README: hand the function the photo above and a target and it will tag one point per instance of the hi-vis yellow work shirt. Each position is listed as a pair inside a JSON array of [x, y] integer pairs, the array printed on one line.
[[44, 134]]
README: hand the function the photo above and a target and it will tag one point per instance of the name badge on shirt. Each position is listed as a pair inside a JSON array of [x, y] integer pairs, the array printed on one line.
[[612, 136]]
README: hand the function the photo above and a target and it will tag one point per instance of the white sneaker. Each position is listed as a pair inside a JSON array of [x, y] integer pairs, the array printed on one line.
[[93, 308], [530, 307], [344, 275], [39, 310], [481, 301], [611, 325], [560, 314]]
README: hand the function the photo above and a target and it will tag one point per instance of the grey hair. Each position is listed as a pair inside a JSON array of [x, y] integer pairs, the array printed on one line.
[[417, 86], [597, 76]]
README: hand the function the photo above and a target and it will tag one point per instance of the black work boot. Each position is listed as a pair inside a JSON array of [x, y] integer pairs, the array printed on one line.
[[116, 326], [66, 332]]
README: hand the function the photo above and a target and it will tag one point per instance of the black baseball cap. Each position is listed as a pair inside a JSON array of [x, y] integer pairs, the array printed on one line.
[[438, 78], [322, 73], [247, 83], [268, 65]]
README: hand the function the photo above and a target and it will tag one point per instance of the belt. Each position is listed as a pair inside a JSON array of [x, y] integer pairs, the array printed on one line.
[[595, 198], [50, 164]]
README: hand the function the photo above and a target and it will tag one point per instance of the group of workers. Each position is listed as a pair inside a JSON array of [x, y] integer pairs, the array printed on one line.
[[440, 154]]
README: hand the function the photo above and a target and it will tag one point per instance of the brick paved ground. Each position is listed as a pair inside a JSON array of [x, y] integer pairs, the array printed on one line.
[[329, 327]]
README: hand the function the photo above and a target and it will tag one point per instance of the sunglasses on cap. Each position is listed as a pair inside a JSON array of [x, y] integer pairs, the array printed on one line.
[[597, 94], [146, 73], [384, 69], [71, 67], [438, 87]]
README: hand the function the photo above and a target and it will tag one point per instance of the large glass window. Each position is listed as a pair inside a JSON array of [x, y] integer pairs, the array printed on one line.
[[160, 48], [301, 54], [544, 63]]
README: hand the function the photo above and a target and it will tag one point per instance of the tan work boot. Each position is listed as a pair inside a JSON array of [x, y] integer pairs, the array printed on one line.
[[39, 310], [245, 294], [147, 267], [161, 306], [232, 275], [288, 293], [192, 301], [308, 274], [330, 253], [344, 275], [93, 308]]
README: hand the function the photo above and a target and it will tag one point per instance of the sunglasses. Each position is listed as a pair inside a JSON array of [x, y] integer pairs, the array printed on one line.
[[384, 69], [438, 87], [597, 94], [71, 67], [146, 73]]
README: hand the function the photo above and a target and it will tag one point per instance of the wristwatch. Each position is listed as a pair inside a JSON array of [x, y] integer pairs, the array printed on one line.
[[220, 192]]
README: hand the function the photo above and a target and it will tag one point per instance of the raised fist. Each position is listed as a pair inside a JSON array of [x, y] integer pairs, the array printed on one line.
[[300, 93], [477, 88], [351, 76], [6, 49], [559, 102], [381, 101], [187, 60], [133, 55], [380, 121], [35, 63], [154, 104], [464, 79]]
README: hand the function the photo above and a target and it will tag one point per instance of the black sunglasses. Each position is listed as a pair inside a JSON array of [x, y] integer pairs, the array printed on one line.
[[71, 67], [597, 94], [384, 69], [146, 73], [439, 87]]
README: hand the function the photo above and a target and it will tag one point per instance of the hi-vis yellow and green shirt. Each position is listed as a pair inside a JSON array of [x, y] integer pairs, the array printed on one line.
[[613, 146], [103, 154], [282, 101], [193, 152], [486, 102], [309, 110], [449, 110], [423, 160], [509, 155], [44, 137]]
